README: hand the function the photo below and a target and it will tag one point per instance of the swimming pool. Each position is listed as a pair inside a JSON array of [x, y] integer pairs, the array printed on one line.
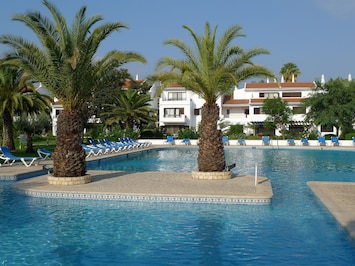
[[295, 229]]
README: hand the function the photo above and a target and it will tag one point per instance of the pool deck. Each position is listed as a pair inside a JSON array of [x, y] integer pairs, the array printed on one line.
[[337, 197], [147, 186]]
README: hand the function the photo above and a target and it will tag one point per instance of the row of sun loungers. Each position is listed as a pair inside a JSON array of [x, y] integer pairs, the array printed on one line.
[[105, 146], [265, 141]]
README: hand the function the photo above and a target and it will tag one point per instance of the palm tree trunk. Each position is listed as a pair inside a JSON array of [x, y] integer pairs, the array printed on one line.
[[211, 151], [29, 148], [7, 130], [69, 156]]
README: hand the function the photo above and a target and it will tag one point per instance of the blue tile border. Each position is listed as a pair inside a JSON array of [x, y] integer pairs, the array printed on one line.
[[143, 198]]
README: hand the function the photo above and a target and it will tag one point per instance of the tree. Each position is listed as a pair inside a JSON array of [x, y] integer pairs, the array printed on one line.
[[32, 124], [66, 65], [106, 90], [14, 97], [290, 70], [332, 104], [279, 114], [210, 70], [131, 109]]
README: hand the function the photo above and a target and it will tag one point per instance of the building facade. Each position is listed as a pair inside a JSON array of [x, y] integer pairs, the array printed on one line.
[[180, 108]]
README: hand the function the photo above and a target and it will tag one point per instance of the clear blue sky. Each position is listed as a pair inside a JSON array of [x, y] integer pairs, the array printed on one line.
[[317, 35]]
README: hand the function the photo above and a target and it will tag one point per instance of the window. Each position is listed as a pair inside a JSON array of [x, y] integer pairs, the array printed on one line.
[[176, 96], [291, 94], [299, 110], [196, 111], [173, 112], [268, 95], [256, 111], [326, 128], [228, 111], [246, 111]]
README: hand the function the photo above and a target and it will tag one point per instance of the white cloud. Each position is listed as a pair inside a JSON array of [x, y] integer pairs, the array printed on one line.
[[338, 8]]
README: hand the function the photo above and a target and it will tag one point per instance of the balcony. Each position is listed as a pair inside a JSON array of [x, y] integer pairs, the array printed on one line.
[[177, 119]]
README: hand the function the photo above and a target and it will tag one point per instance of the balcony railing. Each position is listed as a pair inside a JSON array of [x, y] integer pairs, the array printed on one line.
[[173, 119]]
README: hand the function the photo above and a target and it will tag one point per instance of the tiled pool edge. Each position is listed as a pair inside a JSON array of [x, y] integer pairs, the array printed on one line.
[[144, 198], [22, 176]]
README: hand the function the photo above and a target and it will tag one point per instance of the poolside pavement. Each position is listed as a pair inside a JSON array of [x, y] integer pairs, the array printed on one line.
[[155, 186], [337, 197]]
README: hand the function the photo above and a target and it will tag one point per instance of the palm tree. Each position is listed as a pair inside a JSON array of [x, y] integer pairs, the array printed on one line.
[[67, 65], [290, 71], [211, 70], [15, 97], [129, 110]]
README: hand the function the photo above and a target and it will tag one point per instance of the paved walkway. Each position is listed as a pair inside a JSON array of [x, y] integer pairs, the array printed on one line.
[[159, 186], [339, 198]]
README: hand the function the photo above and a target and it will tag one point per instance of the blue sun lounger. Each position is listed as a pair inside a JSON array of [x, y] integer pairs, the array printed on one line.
[[335, 141], [10, 158], [304, 141], [291, 142], [44, 153], [241, 142], [321, 141], [225, 140], [186, 141], [265, 140], [169, 140]]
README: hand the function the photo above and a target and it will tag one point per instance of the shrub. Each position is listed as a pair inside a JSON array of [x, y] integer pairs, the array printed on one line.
[[349, 136], [189, 133], [236, 131]]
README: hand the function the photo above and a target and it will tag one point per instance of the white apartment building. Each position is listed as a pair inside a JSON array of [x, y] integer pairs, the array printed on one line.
[[180, 108]]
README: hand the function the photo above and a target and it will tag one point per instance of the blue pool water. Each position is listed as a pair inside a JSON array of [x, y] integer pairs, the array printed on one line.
[[295, 229]]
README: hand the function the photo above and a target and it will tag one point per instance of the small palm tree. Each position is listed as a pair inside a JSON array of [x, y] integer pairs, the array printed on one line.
[[16, 96], [290, 70], [129, 110], [67, 65], [210, 70]]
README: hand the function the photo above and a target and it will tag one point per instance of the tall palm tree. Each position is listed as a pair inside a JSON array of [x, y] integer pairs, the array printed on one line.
[[14, 98], [290, 70], [210, 70], [130, 109], [67, 65]]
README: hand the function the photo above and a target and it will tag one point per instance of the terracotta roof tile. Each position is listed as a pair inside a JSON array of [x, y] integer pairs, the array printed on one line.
[[280, 85]]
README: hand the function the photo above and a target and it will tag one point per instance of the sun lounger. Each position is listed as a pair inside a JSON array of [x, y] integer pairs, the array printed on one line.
[[225, 140], [104, 149], [335, 141], [10, 158], [111, 147], [304, 142], [44, 153], [291, 142], [186, 141], [91, 151], [321, 141], [128, 144], [265, 140], [241, 142], [169, 140], [119, 146]]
